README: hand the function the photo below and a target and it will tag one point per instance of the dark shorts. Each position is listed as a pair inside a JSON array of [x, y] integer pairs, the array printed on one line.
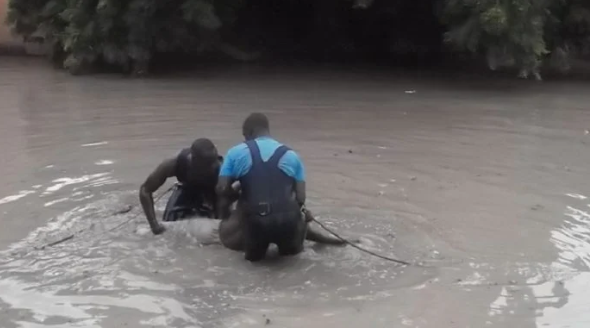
[[286, 230], [184, 203]]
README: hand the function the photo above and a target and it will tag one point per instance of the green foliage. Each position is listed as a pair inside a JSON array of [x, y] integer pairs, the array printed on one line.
[[516, 32], [567, 33], [124, 33], [509, 32], [128, 33]]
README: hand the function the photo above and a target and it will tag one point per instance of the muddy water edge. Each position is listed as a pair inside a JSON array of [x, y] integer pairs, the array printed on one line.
[[484, 181]]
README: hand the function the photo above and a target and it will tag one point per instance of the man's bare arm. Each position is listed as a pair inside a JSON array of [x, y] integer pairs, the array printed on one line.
[[226, 195], [154, 181], [300, 192]]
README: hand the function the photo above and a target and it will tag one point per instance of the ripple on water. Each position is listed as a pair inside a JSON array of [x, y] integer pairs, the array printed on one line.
[[104, 162], [94, 144], [172, 280], [15, 197], [572, 239], [62, 182], [558, 292]]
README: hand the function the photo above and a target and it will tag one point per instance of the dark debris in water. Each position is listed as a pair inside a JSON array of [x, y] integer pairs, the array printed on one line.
[[124, 210], [59, 241], [537, 207]]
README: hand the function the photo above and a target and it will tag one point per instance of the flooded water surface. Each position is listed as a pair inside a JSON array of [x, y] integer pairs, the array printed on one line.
[[484, 182]]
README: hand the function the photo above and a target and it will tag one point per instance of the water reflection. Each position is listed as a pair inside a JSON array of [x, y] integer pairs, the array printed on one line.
[[557, 294]]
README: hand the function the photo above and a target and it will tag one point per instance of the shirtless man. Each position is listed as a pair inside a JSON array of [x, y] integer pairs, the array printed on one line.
[[196, 169]]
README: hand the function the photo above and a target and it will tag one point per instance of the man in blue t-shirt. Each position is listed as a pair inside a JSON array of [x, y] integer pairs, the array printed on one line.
[[273, 190]]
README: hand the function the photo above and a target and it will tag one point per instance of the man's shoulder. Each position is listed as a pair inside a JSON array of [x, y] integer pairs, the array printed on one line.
[[183, 152], [291, 164], [275, 144], [272, 143], [236, 151], [291, 157], [239, 147]]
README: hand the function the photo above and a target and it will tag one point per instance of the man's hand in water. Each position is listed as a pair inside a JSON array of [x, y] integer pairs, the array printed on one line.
[[152, 183], [158, 229]]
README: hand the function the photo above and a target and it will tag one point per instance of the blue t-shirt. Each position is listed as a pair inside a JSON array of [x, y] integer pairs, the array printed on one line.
[[238, 160]]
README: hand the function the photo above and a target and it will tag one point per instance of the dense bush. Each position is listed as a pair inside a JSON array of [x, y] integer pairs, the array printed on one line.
[[118, 32], [129, 33], [519, 32]]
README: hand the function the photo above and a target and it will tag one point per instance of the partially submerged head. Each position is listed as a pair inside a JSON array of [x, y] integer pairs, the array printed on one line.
[[254, 126], [204, 151]]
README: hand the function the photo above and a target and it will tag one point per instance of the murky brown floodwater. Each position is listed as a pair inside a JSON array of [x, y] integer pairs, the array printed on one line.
[[485, 181]]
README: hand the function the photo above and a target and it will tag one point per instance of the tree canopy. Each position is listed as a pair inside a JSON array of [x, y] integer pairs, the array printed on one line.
[[130, 34]]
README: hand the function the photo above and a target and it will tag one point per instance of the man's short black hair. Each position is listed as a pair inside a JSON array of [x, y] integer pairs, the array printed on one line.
[[255, 123], [203, 147]]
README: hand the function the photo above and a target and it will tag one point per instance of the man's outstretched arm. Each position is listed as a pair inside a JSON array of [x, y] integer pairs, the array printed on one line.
[[154, 181]]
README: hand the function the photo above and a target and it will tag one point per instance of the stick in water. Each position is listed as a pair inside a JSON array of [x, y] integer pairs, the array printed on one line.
[[58, 241], [360, 248], [127, 209]]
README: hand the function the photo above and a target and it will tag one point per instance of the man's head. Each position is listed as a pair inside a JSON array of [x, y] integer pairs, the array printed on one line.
[[204, 151], [254, 126]]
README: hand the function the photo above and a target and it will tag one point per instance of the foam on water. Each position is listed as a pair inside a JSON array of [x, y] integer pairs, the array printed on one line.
[[12, 198], [104, 162], [94, 144], [62, 182], [56, 201]]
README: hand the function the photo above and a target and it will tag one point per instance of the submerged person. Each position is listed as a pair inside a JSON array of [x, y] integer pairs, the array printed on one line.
[[273, 191], [196, 170], [233, 235], [230, 231]]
